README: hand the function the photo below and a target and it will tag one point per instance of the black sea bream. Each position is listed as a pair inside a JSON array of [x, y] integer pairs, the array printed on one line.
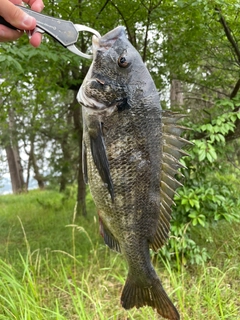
[[131, 150]]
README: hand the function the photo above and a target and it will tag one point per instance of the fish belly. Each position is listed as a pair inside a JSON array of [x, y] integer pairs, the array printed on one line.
[[133, 148]]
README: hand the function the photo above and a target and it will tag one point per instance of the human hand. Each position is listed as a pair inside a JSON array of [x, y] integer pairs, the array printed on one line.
[[19, 19]]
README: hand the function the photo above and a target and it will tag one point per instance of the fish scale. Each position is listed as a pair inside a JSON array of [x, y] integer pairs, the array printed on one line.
[[131, 152]]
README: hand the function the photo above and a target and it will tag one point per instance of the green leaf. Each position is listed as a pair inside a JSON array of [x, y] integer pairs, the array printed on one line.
[[212, 153], [2, 58], [202, 155]]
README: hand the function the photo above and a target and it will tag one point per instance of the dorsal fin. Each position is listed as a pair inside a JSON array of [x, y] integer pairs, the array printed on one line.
[[172, 145]]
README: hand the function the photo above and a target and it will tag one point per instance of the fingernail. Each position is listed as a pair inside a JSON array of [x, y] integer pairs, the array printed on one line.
[[28, 21]]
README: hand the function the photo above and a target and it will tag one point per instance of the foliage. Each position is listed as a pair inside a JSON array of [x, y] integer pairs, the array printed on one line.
[[193, 42], [177, 39], [210, 191], [63, 270]]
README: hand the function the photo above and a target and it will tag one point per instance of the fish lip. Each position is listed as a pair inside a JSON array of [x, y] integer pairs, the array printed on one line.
[[106, 41], [93, 104], [95, 43], [89, 103], [102, 82]]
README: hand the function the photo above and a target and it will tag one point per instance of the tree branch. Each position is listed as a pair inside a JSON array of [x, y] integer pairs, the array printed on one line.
[[235, 90], [228, 34], [235, 47], [101, 10]]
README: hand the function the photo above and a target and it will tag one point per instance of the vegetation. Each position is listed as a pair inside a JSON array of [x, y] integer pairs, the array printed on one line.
[[54, 265], [191, 49], [210, 192]]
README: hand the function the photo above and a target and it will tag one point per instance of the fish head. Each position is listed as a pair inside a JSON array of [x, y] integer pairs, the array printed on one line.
[[117, 76]]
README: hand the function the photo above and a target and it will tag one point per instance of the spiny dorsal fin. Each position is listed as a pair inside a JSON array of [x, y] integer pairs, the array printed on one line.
[[172, 145]]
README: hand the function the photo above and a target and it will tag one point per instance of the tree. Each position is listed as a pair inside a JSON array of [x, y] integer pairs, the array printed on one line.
[[191, 49]]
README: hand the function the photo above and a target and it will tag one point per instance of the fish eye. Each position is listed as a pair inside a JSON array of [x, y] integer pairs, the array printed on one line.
[[122, 62]]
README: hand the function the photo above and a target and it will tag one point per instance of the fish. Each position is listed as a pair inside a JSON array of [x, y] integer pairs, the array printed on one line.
[[131, 152]]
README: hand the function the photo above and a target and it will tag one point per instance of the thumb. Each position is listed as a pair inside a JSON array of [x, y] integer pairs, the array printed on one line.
[[16, 16]]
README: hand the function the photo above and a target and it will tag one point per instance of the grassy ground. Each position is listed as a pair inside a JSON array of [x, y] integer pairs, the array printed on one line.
[[55, 266]]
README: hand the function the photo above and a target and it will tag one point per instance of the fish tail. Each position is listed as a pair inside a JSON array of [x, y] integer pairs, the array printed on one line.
[[153, 296]]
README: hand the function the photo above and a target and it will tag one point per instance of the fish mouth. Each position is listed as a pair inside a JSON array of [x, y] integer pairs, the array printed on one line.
[[91, 103], [102, 44], [106, 41], [88, 102]]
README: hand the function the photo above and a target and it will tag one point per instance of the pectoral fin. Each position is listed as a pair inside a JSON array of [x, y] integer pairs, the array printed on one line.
[[84, 163], [100, 157]]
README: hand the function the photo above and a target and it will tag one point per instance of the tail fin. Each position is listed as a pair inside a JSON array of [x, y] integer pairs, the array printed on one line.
[[154, 296]]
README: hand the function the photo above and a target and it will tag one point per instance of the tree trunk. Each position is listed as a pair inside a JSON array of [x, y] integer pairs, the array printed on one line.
[[66, 163], [176, 95], [13, 156], [32, 162], [37, 175], [15, 169]]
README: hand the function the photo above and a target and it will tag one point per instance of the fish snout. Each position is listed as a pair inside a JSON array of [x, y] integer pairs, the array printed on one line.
[[108, 39]]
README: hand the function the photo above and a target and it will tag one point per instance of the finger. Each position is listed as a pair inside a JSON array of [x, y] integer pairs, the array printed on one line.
[[36, 5], [7, 34], [36, 39], [16, 16]]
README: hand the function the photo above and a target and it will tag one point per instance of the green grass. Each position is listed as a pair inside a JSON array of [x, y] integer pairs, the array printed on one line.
[[54, 265]]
